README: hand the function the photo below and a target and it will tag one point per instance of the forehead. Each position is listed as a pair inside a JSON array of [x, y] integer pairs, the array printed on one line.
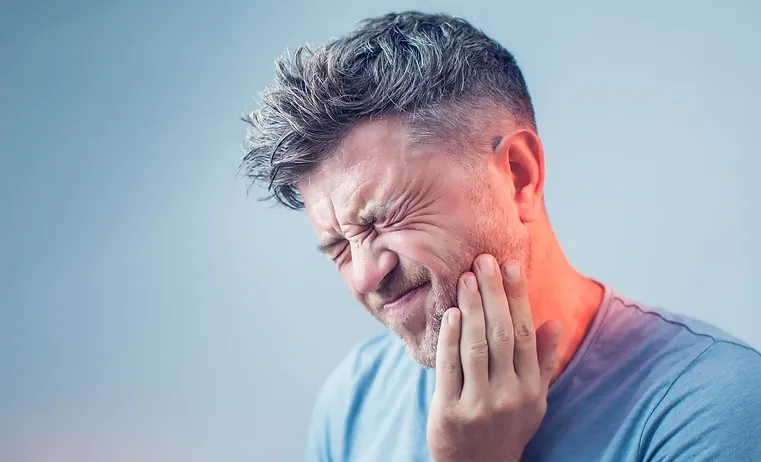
[[374, 166]]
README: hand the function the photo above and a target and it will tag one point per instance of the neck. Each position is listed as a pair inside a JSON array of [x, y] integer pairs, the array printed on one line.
[[558, 292]]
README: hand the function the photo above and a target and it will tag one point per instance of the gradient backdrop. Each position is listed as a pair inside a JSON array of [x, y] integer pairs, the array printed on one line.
[[151, 311]]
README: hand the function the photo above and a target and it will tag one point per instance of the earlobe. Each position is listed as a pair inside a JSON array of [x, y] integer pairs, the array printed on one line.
[[525, 155]]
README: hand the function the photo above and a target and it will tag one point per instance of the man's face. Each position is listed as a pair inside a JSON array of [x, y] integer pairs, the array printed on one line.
[[404, 221]]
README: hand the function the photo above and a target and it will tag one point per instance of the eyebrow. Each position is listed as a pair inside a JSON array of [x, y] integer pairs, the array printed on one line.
[[368, 217]]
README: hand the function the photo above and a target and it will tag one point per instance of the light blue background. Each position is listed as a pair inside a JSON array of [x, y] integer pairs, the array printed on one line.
[[150, 310]]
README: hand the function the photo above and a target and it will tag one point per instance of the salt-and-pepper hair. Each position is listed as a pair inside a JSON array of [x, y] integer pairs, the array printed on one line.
[[440, 75]]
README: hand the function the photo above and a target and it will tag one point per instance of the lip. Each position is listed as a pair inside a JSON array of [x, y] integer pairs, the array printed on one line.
[[402, 304]]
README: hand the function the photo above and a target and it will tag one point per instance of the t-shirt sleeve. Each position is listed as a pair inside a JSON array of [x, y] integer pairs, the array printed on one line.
[[711, 412]]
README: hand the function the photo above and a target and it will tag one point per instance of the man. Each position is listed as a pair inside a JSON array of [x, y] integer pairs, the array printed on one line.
[[412, 145]]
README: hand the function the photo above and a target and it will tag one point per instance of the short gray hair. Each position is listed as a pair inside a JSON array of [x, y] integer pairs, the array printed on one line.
[[436, 72]]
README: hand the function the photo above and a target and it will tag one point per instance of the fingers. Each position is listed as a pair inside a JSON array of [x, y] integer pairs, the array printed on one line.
[[448, 366], [491, 337], [474, 349], [547, 337], [525, 355], [499, 324]]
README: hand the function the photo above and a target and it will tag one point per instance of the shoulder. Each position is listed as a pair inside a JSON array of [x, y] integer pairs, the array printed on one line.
[[732, 369], [679, 323], [686, 348], [729, 368], [710, 409], [703, 382], [658, 336], [707, 382]]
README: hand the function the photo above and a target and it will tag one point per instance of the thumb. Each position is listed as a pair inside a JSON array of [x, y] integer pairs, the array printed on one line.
[[547, 337]]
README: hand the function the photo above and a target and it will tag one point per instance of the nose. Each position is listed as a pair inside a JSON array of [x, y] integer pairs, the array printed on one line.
[[370, 266]]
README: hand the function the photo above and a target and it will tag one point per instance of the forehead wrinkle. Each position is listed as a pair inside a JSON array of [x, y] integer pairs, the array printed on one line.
[[370, 166]]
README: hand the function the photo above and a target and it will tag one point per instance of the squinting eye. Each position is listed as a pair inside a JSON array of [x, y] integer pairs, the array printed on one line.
[[340, 250]]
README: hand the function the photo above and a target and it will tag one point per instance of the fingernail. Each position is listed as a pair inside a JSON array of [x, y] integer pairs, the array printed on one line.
[[512, 271], [453, 316], [470, 283], [486, 265]]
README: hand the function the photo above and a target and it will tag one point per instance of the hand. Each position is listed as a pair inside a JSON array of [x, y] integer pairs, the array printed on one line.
[[492, 370]]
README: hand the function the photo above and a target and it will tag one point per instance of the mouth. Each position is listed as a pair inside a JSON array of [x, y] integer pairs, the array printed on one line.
[[404, 302]]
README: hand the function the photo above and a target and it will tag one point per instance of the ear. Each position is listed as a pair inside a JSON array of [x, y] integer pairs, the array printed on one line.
[[522, 157]]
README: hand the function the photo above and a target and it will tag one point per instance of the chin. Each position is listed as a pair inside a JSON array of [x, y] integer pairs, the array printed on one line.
[[422, 347], [421, 337]]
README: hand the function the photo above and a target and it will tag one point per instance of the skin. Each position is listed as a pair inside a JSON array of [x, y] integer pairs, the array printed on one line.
[[435, 215], [474, 242], [492, 371]]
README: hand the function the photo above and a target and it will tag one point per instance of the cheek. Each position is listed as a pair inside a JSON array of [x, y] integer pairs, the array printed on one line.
[[441, 253]]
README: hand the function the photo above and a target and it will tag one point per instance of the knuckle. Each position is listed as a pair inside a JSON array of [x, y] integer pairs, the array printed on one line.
[[549, 366], [532, 392], [524, 329], [524, 333], [502, 333], [541, 407], [478, 413], [443, 412], [478, 349], [507, 404], [447, 368], [448, 415]]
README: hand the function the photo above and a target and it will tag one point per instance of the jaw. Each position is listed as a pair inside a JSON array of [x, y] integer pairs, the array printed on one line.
[[421, 345], [423, 351]]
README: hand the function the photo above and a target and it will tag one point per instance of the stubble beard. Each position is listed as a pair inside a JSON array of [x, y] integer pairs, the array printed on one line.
[[423, 351], [491, 233], [507, 246]]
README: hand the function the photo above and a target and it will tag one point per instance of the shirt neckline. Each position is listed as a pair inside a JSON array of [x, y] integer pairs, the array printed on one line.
[[594, 330]]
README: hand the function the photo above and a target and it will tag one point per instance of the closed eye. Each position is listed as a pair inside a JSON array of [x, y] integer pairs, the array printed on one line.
[[328, 248]]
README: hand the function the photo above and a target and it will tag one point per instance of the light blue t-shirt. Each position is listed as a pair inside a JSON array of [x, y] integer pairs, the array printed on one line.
[[644, 385]]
